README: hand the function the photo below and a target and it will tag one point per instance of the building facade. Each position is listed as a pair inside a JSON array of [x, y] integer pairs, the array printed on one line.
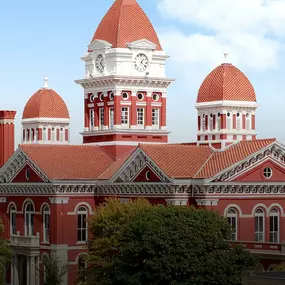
[[48, 188]]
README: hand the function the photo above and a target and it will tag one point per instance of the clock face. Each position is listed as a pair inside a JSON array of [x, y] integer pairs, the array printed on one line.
[[100, 63], [141, 62]]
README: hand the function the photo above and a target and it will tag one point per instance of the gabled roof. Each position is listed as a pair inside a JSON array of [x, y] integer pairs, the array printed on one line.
[[69, 162], [125, 22]]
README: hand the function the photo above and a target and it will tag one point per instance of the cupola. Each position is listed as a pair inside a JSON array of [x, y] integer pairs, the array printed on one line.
[[45, 118], [226, 105]]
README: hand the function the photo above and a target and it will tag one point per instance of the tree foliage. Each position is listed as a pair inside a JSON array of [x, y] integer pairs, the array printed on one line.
[[139, 244], [54, 271], [5, 253]]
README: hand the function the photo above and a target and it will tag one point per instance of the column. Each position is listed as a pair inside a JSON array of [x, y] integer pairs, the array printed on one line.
[[37, 270], [117, 109], [12, 269], [28, 269], [16, 273], [133, 111], [32, 271], [148, 111], [106, 111], [163, 111]]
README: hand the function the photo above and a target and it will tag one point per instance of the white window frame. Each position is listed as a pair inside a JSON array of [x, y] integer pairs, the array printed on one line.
[[101, 118], [125, 114], [155, 112], [82, 224], [233, 221], [111, 118], [13, 220], [140, 117], [91, 119], [274, 225], [29, 219], [46, 224], [259, 221]]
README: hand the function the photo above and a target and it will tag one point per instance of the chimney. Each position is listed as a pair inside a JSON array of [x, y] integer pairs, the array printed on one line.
[[7, 137]]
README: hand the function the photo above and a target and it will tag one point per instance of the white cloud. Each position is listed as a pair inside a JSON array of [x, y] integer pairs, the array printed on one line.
[[252, 31]]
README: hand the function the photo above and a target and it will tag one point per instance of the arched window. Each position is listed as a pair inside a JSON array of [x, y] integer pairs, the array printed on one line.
[[232, 219], [82, 227], [13, 222], [274, 226], [82, 266], [29, 219], [259, 225], [46, 224]]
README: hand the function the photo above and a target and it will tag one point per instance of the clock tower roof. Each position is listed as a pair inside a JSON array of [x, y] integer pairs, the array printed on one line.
[[126, 22]]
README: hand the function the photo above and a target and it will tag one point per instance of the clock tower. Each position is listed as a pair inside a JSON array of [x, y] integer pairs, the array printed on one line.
[[125, 85]]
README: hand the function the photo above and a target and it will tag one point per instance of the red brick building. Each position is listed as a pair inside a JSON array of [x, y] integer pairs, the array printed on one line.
[[48, 187]]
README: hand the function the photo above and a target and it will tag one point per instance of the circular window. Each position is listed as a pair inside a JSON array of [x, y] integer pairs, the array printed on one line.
[[147, 175], [238, 114], [111, 96], [267, 172], [28, 174], [44, 128], [140, 96], [101, 97], [211, 115], [155, 97], [125, 96], [92, 98], [228, 114], [204, 115], [219, 114], [61, 129], [52, 129], [247, 115]]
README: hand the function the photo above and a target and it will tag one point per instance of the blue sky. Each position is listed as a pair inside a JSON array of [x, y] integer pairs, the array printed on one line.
[[47, 38]]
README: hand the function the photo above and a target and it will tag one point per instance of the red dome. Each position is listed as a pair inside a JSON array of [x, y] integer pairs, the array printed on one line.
[[126, 22], [226, 82], [45, 103]]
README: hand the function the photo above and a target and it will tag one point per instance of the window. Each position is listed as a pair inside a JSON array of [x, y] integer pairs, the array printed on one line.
[[29, 219], [259, 225], [125, 96], [82, 228], [91, 118], [101, 117], [274, 226], [232, 219], [140, 96], [111, 96], [238, 122], [155, 117], [46, 224], [219, 121], [155, 97], [13, 220], [125, 116], [229, 121], [247, 122], [140, 116], [267, 172], [112, 118], [101, 97], [148, 175], [28, 174]]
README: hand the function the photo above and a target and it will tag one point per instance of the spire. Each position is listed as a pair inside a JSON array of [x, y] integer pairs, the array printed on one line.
[[46, 83]]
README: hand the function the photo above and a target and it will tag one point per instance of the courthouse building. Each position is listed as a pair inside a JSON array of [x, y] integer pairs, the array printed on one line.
[[49, 187]]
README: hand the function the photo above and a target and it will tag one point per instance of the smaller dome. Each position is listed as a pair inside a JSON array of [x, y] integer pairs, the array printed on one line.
[[226, 82], [45, 103]]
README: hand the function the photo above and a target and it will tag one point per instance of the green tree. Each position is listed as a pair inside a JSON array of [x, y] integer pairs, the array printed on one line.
[[53, 271], [174, 246], [5, 253], [106, 228]]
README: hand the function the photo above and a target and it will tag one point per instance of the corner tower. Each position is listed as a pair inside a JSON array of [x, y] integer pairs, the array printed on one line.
[[125, 84], [226, 106], [45, 118]]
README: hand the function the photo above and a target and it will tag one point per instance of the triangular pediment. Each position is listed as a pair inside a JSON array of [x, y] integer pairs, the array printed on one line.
[[99, 45], [273, 155], [136, 167], [16, 166], [142, 44]]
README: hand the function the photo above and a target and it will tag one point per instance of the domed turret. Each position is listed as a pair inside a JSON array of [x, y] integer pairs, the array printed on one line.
[[45, 118], [226, 105]]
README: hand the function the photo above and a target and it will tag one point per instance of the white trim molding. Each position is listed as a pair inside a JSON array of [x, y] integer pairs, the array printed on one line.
[[3, 200], [59, 200], [207, 202]]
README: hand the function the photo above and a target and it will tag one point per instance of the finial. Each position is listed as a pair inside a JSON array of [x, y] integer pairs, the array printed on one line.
[[226, 54], [46, 83]]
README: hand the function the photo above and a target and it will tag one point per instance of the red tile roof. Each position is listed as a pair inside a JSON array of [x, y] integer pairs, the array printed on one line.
[[222, 160], [69, 162], [125, 22], [45, 103], [226, 82], [178, 161]]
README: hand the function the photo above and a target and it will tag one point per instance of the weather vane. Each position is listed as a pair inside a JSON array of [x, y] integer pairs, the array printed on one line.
[[226, 54]]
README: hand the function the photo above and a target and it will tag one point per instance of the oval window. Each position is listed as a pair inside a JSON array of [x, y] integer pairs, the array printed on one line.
[[140, 96], [147, 175], [125, 95], [267, 172]]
